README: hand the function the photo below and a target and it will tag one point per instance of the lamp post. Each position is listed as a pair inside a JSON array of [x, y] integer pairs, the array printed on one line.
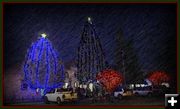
[[124, 72]]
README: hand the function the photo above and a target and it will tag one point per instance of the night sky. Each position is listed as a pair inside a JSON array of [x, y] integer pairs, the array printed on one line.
[[151, 28]]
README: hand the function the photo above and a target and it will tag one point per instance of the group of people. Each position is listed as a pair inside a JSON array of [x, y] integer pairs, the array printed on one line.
[[97, 93]]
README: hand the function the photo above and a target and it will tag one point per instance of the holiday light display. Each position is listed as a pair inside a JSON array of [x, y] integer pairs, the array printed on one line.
[[90, 57], [110, 79], [158, 77], [42, 68]]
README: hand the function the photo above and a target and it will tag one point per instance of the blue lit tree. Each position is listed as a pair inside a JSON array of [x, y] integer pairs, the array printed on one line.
[[42, 68]]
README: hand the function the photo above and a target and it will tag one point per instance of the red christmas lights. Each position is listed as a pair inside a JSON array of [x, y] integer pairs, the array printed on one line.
[[110, 79], [158, 77]]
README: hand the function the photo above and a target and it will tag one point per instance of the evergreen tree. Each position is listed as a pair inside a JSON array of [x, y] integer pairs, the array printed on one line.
[[126, 59], [90, 60], [42, 68]]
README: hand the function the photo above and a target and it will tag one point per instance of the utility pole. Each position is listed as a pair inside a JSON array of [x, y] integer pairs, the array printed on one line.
[[124, 71]]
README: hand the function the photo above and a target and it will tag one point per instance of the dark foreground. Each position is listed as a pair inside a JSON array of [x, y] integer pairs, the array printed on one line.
[[132, 100]]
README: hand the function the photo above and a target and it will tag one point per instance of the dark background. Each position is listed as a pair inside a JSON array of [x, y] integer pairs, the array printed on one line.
[[150, 27]]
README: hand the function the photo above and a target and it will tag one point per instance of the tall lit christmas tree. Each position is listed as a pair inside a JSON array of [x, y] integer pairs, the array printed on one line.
[[90, 60], [42, 68]]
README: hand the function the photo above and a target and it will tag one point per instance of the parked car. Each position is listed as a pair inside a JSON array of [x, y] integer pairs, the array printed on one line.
[[160, 90], [118, 93], [60, 95], [143, 91], [121, 92]]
